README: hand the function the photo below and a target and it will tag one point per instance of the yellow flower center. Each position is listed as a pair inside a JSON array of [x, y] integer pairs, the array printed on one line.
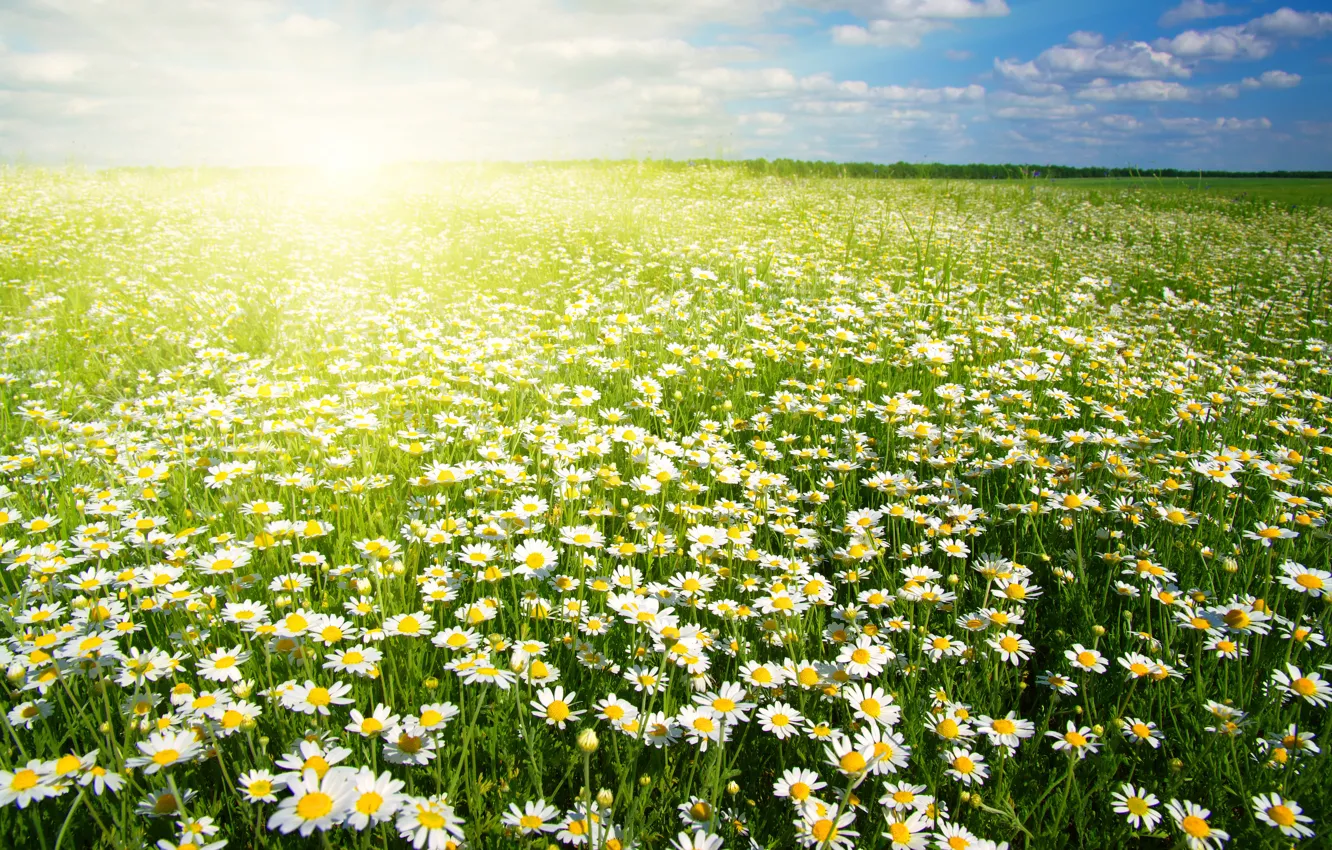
[[852, 762], [557, 711], [369, 803], [23, 780], [314, 806], [1196, 827]]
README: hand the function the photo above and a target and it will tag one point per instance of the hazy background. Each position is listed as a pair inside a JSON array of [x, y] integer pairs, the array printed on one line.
[[239, 82]]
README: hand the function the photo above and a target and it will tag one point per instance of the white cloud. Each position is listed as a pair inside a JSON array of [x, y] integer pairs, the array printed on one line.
[[885, 33], [1152, 91], [1271, 80], [903, 23], [1255, 39], [1086, 55], [904, 10], [1194, 10], [1288, 23], [304, 26], [1215, 125], [52, 67], [1219, 44]]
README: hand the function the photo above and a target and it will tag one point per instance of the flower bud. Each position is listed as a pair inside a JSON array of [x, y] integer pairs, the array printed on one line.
[[732, 787], [605, 798], [587, 740]]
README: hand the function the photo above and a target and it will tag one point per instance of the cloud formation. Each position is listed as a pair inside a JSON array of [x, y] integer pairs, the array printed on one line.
[[275, 81]]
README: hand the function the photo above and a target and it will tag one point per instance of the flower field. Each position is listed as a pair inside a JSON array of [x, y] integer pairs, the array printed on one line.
[[632, 507]]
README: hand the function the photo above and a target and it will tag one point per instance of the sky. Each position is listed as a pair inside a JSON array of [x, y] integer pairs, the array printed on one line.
[[1192, 84]]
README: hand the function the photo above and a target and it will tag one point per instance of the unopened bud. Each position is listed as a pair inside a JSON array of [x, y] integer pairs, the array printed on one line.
[[605, 798], [587, 740]]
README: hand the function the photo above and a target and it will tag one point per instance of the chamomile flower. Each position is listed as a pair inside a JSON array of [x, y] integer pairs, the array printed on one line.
[[1282, 814], [555, 707], [1191, 819], [314, 803], [165, 749], [533, 818], [1137, 805]]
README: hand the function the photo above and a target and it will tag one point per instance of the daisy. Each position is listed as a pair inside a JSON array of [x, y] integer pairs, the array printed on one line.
[[850, 757], [728, 702], [1137, 731], [418, 624], [780, 719], [1137, 806], [966, 766], [223, 665], [1309, 687], [1191, 819], [555, 706], [534, 556], [1012, 647], [28, 783], [532, 818], [1086, 659], [702, 840], [1077, 741], [701, 725], [872, 703], [381, 722], [359, 660], [911, 833], [314, 803], [1282, 814], [164, 749], [456, 639], [436, 715], [258, 786], [410, 744], [616, 711], [102, 779], [310, 755], [797, 784], [429, 822], [311, 698], [1007, 731], [821, 827], [865, 657], [374, 799], [890, 752], [1302, 579], [903, 797], [488, 674]]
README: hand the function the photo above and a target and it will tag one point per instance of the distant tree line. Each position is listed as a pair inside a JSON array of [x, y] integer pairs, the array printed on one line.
[[918, 170]]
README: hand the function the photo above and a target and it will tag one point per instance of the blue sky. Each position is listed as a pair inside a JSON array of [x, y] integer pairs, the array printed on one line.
[[1192, 84]]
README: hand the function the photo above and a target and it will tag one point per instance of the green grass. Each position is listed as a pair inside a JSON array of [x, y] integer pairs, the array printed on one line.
[[941, 421]]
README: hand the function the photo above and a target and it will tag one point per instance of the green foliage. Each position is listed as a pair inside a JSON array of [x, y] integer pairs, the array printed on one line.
[[766, 442]]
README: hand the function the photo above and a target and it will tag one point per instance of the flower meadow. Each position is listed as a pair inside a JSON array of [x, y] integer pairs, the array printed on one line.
[[622, 506]]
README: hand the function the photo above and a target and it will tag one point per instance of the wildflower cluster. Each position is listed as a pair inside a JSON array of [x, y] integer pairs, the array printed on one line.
[[514, 508]]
